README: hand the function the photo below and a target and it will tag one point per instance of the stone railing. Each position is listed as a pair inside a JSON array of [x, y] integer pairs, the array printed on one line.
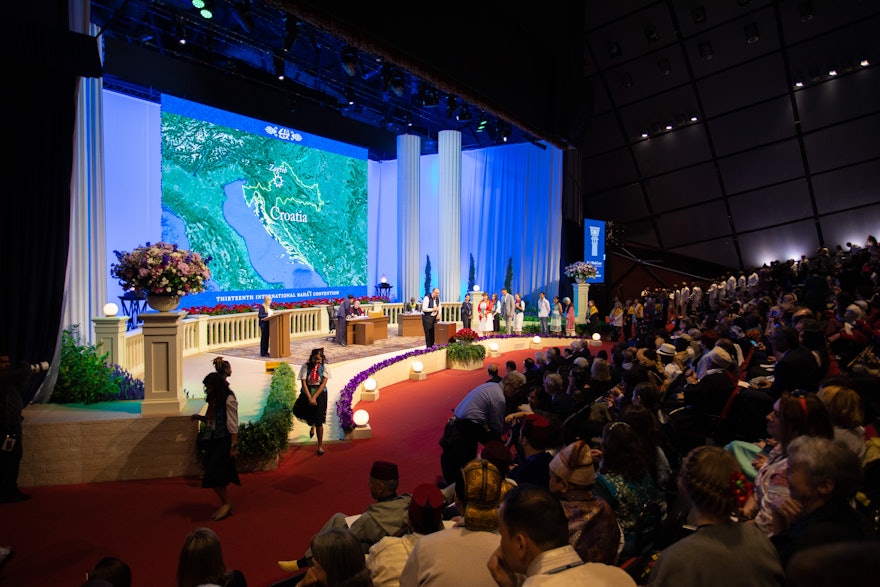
[[201, 334]]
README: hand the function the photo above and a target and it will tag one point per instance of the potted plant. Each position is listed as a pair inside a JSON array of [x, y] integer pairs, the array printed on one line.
[[462, 353], [161, 270], [580, 271]]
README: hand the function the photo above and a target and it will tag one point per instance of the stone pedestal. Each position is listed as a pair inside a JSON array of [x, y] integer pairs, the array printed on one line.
[[163, 364], [581, 303], [110, 335]]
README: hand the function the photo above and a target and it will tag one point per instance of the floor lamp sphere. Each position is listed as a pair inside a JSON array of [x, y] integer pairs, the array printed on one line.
[[360, 418], [417, 366], [493, 346], [370, 384], [536, 340], [597, 336], [110, 309]]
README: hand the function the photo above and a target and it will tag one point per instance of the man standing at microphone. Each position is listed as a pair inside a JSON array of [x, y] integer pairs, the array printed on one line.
[[430, 314]]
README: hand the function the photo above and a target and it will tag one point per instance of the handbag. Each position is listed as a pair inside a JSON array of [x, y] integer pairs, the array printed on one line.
[[301, 406]]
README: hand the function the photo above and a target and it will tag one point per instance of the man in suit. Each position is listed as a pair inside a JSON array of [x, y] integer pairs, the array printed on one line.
[[342, 313], [796, 367], [507, 310], [544, 313], [430, 314]]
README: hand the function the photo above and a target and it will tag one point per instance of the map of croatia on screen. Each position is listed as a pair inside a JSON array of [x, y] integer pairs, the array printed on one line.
[[276, 209]]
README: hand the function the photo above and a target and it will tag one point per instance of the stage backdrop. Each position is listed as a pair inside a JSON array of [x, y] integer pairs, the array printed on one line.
[[299, 216]]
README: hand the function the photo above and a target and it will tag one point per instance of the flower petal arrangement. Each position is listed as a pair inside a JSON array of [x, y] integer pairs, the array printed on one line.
[[161, 268], [580, 270], [466, 335]]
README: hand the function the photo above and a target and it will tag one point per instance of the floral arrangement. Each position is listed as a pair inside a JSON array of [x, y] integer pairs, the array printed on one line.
[[580, 270], [466, 335], [741, 488], [161, 268]]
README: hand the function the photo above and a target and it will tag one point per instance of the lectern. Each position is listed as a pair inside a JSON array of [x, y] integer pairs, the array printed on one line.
[[279, 335]]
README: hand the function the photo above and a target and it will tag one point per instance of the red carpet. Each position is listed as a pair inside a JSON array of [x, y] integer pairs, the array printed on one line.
[[63, 530]]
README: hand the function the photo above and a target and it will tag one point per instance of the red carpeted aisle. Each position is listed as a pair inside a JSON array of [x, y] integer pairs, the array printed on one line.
[[60, 533]]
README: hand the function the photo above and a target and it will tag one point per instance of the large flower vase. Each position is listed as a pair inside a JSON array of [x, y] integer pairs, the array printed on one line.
[[162, 302], [580, 280]]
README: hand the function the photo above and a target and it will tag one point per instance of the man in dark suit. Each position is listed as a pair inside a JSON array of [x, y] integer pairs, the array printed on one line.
[[796, 367], [342, 313], [430, 315]]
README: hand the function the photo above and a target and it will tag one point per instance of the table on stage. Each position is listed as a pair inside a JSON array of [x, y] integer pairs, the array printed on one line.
[[410, 325], [443, 331], [365, 329]]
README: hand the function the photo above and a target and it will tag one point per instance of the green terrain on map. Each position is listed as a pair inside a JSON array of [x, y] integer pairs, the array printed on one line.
[[200, 159]]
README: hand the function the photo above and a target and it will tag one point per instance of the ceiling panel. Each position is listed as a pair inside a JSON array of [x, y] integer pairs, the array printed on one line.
[[622, 204], [679, 228], [603, 135], [839, 99], [674, 107], [766, 207], [782, 242], [683, 188], [729, 45], [762, 166], [743, 85], [852, 226], [760, 124], [642, 233], [858, 185], [673, 150], [840, 145], [656, 72], [625, 39], [720, 251], [608, 170]]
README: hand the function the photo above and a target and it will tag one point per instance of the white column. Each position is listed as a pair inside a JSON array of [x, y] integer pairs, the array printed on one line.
[[163, 364], [409, 151], [449, 148]]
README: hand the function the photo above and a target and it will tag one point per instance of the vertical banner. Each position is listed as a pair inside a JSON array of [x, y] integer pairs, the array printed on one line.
[[594, 248]]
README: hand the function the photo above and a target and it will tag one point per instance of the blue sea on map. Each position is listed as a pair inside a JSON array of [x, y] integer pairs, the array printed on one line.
[[268, 257]]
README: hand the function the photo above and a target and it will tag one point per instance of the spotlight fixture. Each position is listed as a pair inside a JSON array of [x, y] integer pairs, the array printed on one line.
[[483, 122], [706, 52], [504, 131], [205, 8], [464, 113], [805, 10], [651, 34], [614, 49], [397, 83], [864, 63], [832, 72], [626, 80], [241, 12], [349, 60], [799, 84], [279, 67], [664, 66], [668, 126], [181, 32], [291, 33], [694, 118], [751, 33], [645, 135], [428, 95], [349, 97], [699, 14]]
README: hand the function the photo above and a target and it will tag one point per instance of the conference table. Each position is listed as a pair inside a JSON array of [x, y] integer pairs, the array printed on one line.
[[366, 329]]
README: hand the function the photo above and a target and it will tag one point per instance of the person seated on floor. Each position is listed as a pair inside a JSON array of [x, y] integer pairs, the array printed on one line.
[[534, 438], [201, 562], [338, 561], [424, 516], [721, 551], [457, 556], [383, 518], [534, 547], [592, 526], [823, 475]]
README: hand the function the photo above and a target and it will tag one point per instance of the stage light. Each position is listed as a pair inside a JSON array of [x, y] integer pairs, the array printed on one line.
[[464, 114], [383, 279], [832, 71], [805, 10], [417, 366], [651, 34], [751, 33], [699, 14], [493, 346], [664, 66], [864, 63], [205, 8], [668, 126], [110, 309], [798, 84], [397, 84], [349, 60], [279, 67], [644, 135], [360, 418], [451, 106], [614, 49], [536, 339], [626, 80], [706, 52], [370, 384], [597, 336]]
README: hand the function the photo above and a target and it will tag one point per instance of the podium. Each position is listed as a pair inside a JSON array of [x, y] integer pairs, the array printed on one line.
[[410, 325], [279, 335], [443, 331]]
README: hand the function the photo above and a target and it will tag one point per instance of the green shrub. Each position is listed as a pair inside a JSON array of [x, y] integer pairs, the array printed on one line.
[[465, 352], [267, 437], [84, 377]]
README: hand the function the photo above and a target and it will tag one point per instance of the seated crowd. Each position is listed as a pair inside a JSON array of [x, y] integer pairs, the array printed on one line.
[[730, 438]]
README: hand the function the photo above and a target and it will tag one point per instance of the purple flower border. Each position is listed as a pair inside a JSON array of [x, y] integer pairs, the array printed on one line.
[[343, 404]]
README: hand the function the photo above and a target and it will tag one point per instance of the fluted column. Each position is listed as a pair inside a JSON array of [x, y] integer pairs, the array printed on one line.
[[409, 150], [449, 148]]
